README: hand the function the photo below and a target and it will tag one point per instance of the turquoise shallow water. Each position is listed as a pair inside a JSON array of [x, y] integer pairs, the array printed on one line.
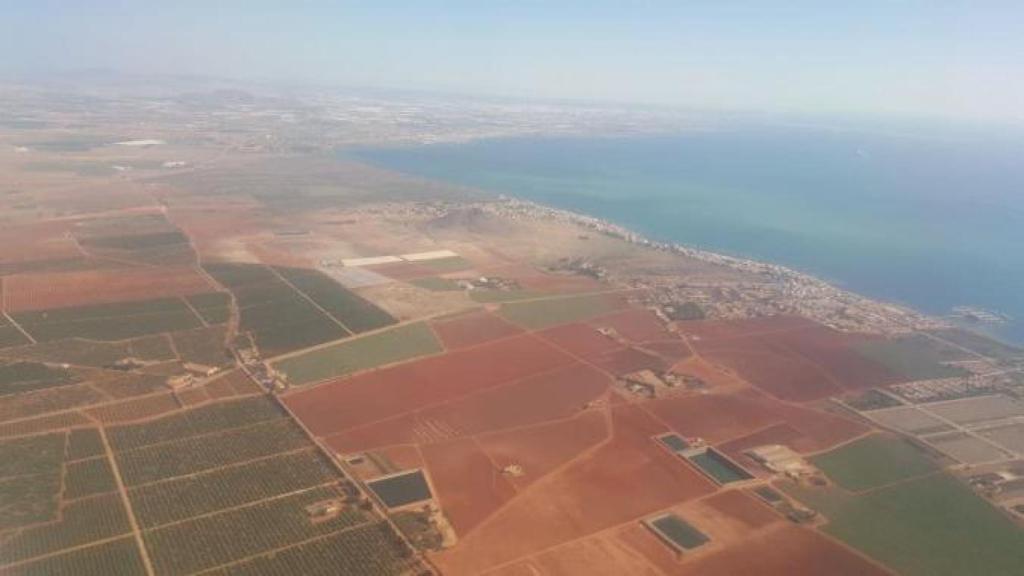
[[931, 222]]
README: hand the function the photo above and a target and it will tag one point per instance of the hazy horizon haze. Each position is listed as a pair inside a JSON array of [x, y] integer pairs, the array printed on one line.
[[953, 59]]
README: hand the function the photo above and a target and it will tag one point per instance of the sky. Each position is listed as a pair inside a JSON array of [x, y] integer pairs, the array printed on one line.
[[946, 58]]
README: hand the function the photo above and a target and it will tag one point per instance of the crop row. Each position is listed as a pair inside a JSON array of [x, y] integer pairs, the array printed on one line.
[[202, 420], [183, 498], [81, 522], [370, 550], [211, 541], [88, 477], [119, 557], [356, 313], [193, 455]]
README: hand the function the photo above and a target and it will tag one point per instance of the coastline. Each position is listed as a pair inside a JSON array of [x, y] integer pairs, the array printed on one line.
[[895, 315], [886, 260]]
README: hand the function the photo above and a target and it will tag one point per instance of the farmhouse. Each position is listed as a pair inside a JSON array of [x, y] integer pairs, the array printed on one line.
[[200, 369], [781, 459]]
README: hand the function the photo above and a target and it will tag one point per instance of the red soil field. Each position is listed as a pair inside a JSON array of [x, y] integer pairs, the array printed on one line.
[[712, 375], [473, 328], [398, 430], [403, 457], [832, 351], [630, 360], [671, 350], [637, 325], [541, 449], [789, 357], [217, 230], [740, 507], [783, 551], [467, 484], [645, 543], [351, 402], [726, 329], [549, 396], [625, 478], [552, 395], [720, 418], [581, 340], [781, 374], [598, 556], [37, 241], [24, 292]]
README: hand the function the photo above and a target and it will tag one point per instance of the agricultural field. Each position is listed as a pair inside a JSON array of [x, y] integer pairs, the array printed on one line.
[[915, 357], [552, 311], [353, 311], [213, 307], [10, 335], [228, 487], [980, 344], [76, 289], [874, 461], [930, 526], [790, 358], [362, 353], [204, 346], [243, 532], [120, 321], [19, 376], [119, 556], [279, 318], [371, 549], [222, 482]]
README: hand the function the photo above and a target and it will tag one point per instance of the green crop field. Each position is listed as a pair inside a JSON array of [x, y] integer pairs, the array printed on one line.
[[395, 345], [203, 346], [874, 461], [914, 358], [485, 296], [136, 241], [120, 321], [931, 526], [10, 336], [547, 312], [18, 377], [98, 354], [214, 307], [279, 318], [980, 343], [352, 310]]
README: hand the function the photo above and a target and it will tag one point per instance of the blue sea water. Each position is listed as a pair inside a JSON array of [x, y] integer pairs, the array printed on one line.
[[933, 222]]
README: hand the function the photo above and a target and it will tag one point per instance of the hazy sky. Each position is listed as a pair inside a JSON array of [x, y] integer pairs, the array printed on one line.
[[946, 57]]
